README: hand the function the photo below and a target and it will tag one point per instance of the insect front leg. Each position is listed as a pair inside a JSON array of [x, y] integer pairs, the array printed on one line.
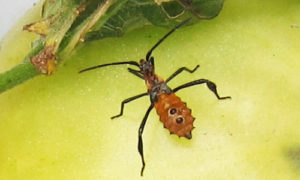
[[136, 73], [140, 133], [180, 71], [211, 86], [127, 101]]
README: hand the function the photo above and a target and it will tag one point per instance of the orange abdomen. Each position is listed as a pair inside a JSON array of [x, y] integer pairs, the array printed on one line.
[[175, 115]]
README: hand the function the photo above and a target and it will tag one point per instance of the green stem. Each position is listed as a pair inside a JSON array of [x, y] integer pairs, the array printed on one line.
[[100, 16], [21, 72], [17, 75]]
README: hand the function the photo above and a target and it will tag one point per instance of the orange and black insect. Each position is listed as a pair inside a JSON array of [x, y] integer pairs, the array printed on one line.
[[174, 113]]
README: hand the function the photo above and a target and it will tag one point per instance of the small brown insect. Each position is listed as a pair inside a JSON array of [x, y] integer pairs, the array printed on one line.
[[173, 113]]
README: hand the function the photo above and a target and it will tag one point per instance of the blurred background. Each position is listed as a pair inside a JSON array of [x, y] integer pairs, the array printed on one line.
[[11, 11]]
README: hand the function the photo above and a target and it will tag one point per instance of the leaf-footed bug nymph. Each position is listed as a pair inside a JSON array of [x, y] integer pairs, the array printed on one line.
[[173, 112]]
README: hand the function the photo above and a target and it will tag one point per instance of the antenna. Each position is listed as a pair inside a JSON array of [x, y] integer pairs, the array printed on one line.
[[110, 64], [165, 36], [148, 55]]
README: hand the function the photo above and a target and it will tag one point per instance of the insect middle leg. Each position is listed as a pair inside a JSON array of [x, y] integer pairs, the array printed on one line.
[[180, 71], [127, 101], [211, 86], [140, 133]]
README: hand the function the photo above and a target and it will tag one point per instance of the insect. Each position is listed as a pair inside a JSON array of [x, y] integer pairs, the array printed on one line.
[[173, 112]]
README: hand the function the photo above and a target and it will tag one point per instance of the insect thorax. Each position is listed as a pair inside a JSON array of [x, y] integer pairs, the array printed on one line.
[[157, 89]]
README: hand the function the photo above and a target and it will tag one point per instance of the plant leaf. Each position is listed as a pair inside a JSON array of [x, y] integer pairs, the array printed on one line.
[[135, 14]]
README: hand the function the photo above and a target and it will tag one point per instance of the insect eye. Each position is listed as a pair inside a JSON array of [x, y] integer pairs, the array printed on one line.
[[179, 120], [173, 111]]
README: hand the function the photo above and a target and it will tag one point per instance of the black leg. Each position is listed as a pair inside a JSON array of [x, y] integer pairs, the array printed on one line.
[[180, 70], [127, 101], [212, 86], [136, 73], [140, 144]]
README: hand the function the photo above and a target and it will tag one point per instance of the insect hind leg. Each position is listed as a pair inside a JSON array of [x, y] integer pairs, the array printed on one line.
[[127, 101], [211, 86], [140, 133], [180, 71]]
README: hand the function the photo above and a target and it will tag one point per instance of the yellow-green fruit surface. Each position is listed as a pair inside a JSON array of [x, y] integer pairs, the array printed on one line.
[[59, 127]]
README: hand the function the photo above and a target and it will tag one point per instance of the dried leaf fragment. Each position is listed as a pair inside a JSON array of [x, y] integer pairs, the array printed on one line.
[[40, 27], [45, 61]]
